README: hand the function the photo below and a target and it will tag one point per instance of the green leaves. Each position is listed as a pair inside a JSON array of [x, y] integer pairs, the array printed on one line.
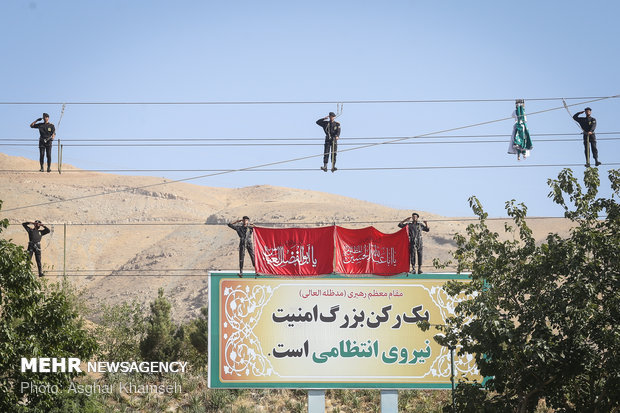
[[163, 340], [37, 320], [547, 316]]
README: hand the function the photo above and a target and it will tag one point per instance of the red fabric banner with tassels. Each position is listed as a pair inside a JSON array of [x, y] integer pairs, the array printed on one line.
[[369, 251], [294, 251]]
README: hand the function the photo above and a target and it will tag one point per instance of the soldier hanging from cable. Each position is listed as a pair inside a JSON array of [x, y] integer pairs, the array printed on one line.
[[34, 241], [414, 229], [245, 231], [588, 125], [332, 133], [47, 132]]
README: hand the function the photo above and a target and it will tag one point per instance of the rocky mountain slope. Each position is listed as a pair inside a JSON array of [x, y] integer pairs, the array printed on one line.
[[171, 235]]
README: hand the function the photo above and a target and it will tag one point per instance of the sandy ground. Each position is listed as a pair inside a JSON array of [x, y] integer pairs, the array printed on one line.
[[115, 263]]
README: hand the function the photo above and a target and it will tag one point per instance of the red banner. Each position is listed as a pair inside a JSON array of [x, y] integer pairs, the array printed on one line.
[[294, 251], [369, 251]]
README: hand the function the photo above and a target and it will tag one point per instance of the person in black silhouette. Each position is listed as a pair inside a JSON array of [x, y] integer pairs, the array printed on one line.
[[47, 132], [34, 241], [332, 133], [244, 229]]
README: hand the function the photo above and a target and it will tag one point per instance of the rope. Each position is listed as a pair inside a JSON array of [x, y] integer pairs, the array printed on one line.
[[62, 112]]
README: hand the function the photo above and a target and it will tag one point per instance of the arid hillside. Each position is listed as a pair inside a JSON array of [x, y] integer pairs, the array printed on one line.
[[128, 243]]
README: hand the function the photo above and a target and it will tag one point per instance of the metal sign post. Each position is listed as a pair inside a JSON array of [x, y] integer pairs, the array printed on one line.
[[316, 401], [389, 401]]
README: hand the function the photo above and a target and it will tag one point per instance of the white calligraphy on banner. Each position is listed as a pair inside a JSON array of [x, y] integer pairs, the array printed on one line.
[[284, 255], [366, 252]]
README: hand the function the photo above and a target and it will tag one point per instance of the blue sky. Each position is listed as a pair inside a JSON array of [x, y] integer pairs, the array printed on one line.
[[184, 51]]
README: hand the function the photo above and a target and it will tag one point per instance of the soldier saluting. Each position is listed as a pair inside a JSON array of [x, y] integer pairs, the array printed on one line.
[[414, 229], [47, 132], [332, 133], [244, 229], [34, 241], [588, 125]]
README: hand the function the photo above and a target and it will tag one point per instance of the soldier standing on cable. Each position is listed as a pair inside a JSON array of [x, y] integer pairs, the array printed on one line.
[[245, 231], [414, 229], [47, 132], [332, 133], [588, 125], [34, 241]]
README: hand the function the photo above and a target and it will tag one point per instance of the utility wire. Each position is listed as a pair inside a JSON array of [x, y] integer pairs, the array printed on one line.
[[302, 102], [171, 272], [260, 223], [370, 168], [504, 135], [459, 142], [297, 159]]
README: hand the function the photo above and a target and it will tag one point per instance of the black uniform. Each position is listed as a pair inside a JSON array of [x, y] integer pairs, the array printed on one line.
[[245, 241], [332, 131], [34, 244], [588, 124], [46, 131], [414, 229]]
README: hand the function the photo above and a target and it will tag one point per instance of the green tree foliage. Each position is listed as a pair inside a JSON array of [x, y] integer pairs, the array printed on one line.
[[197, 350], [35, 321], [200, 336], [163, 340], [120, 331], [545, 317]]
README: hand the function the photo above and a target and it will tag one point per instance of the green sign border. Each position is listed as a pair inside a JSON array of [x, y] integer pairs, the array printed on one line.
[[213, 370]]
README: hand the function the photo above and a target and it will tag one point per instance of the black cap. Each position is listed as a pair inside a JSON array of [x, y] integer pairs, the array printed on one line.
[[332, 114], [246, 217], [37, 222], [588, 109], [416, 214], [45, 115]]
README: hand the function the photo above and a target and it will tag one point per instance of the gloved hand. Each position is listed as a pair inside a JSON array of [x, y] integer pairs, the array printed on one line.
[[39, 119]]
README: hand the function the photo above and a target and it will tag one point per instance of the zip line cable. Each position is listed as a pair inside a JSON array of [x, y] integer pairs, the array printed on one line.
[[204, 273], [296, 144], [260, 223], [294, 139], [308, 102], [167, 182], [369, 168]]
